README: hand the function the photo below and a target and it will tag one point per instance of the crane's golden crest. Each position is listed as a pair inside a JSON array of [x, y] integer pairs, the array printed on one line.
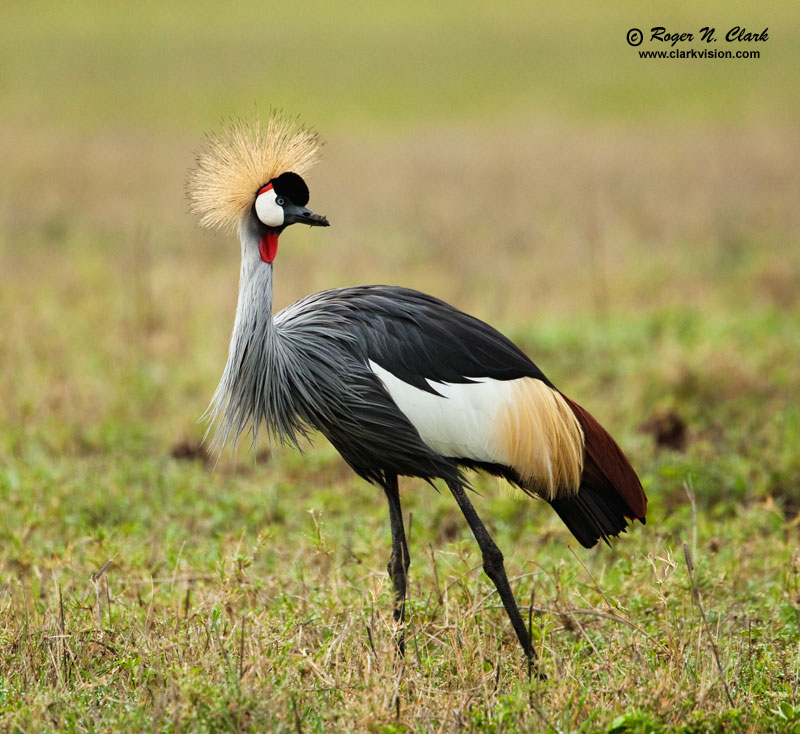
[[235, 163]]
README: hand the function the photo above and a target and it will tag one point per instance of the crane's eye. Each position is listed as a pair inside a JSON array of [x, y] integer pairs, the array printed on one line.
[[280, 201]]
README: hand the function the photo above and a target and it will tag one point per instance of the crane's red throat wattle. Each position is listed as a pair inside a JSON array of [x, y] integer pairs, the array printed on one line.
[[268, 246]]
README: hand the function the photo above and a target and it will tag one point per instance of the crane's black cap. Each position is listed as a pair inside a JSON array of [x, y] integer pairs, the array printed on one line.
[[292, 187]]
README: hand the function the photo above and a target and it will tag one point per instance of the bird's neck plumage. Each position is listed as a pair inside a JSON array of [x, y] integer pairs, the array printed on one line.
[[254, 308], [251, 390]]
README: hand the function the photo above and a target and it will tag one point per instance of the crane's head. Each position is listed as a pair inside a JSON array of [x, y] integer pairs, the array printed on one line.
[[279, 203], [251, 174]]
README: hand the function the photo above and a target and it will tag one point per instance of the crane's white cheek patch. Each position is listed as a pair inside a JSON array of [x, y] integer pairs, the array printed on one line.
[[267, 209], [459, 421]]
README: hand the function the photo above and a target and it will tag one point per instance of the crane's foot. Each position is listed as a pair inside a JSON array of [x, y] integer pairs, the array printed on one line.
[[534, 671]]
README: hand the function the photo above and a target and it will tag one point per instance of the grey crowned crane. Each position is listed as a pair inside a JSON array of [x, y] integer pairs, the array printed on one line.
[[399, 382]]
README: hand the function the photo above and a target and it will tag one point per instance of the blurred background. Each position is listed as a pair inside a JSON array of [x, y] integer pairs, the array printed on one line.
[[632, 223]]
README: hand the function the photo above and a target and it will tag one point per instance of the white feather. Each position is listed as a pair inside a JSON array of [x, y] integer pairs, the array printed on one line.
[[267, 209], [459, 421]]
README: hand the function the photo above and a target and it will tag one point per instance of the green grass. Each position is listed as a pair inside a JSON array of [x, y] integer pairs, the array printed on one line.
[[634, 226]]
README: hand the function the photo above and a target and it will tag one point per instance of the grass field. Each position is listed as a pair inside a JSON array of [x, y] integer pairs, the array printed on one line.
[[633, 225]]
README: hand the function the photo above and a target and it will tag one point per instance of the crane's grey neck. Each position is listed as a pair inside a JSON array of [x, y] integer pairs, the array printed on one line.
[[249, 391]]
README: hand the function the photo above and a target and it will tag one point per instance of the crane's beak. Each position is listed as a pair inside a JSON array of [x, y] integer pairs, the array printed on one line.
[[293, 214]]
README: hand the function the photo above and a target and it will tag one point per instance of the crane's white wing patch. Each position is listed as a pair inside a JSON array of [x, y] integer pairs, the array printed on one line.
[[458, 421]]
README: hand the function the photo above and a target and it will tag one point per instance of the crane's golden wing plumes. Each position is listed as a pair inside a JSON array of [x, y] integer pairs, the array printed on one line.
[[235, 163]]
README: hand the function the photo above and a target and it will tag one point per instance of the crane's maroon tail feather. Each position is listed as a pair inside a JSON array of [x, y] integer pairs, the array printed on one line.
[[609, 493]]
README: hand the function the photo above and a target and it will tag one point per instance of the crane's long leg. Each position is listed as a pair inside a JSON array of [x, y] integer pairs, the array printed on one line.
[[399, 560], [493, 566]]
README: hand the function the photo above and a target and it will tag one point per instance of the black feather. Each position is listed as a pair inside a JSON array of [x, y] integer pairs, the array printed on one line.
[[292, 187], [418, 338]]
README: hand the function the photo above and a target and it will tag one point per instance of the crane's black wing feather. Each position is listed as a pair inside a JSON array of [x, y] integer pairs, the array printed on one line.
[[418, 338]]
